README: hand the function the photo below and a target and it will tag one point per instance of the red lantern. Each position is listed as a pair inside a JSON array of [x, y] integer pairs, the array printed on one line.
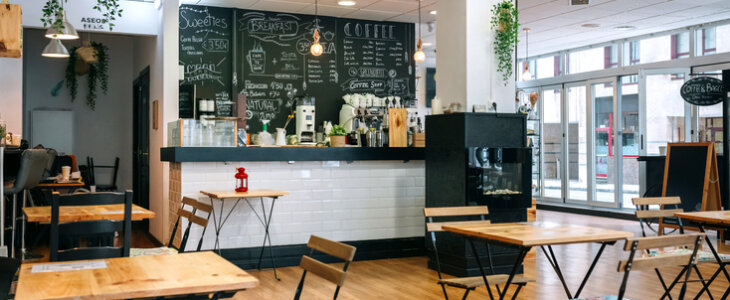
[[241, 181]]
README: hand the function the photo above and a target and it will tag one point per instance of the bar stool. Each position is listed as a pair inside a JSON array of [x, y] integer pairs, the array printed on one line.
[[33, 164]]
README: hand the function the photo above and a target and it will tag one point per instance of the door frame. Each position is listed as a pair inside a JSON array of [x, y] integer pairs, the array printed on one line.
[[141, 123], [561, 168], [591, 142]]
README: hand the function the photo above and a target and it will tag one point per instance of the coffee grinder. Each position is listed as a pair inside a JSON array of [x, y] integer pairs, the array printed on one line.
[[305, 120]]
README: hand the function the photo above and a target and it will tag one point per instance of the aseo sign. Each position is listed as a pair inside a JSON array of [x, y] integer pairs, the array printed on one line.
[[703, 91]]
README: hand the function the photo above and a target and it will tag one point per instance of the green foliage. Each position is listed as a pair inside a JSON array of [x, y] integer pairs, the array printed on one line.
[[53, 12], [98, 74], [505, 22], [338, 130]]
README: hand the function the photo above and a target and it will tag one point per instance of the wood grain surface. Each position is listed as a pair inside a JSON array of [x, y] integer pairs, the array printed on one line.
[[718, 217], [539, 233], [42, 214], [228, 194]]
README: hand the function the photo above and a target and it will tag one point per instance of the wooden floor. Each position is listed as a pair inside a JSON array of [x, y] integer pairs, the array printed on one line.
[[409, 278]]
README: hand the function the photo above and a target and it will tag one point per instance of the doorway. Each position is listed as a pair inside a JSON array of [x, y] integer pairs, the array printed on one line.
[[141, 143]]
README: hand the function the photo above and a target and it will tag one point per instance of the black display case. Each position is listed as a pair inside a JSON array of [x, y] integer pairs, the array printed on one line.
[[477, 159]]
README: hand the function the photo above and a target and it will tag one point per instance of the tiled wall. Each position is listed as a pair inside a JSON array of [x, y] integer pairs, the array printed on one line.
[[343, 201]]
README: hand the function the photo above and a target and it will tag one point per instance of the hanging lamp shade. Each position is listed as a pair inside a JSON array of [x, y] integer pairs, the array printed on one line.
[[419, 56], [55, 49], [65, 32]]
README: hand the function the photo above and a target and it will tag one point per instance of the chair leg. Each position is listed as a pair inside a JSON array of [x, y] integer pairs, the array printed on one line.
[[517, 291], [704, 284], [443, 288], [300, 286], [466, 294], [12, 239], [22, 227], [661, 280]]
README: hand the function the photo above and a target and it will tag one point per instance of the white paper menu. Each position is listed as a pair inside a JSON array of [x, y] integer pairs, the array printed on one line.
[[72, 266]]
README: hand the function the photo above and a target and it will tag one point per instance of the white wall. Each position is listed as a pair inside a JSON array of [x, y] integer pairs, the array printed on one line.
[[11, 96], [103, 133]]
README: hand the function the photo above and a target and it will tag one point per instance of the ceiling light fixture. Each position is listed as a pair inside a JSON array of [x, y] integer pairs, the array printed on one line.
[[346, 2], [316, 49], [419, 56], [590, 25], [433, 12], [625, 27], [55, 49], [526, 75], [65, 31]]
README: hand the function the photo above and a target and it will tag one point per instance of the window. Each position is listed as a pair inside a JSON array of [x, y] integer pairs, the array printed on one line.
[[680, 45], [706, 41], [610, 57], [590, 59], [631, 50], [655, 49], [550, 66]]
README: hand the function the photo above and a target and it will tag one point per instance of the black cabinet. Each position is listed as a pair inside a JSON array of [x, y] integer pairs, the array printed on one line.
[[477, 159]]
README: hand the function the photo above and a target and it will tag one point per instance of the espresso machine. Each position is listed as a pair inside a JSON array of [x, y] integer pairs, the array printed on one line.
[[305, 120]]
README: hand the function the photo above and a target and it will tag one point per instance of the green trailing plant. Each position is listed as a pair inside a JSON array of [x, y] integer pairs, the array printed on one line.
[[98, 73], [505, 23], [338, 130], [53, 12]]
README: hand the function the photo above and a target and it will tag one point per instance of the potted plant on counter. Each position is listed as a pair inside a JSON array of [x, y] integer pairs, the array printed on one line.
[[337, 136]]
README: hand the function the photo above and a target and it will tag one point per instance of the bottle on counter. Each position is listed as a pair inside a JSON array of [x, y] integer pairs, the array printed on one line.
[[371, 137], [265, 138]]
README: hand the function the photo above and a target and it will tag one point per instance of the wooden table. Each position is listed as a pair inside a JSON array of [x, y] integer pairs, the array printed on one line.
[[719, 219], [136, 277], [524, 236], [42, 214], [264, 218], [70, 184]]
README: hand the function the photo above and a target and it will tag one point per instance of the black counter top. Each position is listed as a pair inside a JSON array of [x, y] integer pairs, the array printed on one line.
[[223, 154]]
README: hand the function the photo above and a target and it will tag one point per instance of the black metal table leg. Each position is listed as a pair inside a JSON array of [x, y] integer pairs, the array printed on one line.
[[590, 270], [721, 265], [481, 269], [552, 259], [220, 221], [265, 220], [518, 263], [556, 268]]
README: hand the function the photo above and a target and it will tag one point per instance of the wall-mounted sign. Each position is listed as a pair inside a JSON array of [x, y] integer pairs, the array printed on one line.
[[703, 91]]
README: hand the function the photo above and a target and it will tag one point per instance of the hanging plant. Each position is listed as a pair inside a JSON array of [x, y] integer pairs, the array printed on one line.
[[95, 67], [505, 23], [53, 13]]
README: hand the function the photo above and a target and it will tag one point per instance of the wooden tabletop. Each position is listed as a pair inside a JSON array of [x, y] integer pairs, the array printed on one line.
[[136, 277], [539, 233], [714, 217], [42, 214], [73, 183], [228, 194]]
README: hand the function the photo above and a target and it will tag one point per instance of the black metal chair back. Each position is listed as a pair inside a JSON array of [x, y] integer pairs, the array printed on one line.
[[114, 169], [336, 249], [192, 219], [90, 228]]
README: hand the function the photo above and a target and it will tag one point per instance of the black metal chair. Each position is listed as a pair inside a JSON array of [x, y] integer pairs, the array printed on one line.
[[33, 164], [8, 268], [467, 283], [114, 169], [192, 218], [90, 229], [638, 261], [330, 273]]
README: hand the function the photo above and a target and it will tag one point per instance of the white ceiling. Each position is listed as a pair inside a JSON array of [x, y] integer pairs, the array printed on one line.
[[555, 24]]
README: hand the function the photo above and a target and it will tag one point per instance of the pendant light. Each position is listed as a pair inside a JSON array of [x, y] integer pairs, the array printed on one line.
[[55, 49], [316, 49], [526, 75], [419, 56], [65, 32]]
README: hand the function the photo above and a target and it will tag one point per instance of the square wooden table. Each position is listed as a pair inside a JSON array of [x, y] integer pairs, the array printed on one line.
[[524, 236], [133, 277], [721, 219], [264, 218]]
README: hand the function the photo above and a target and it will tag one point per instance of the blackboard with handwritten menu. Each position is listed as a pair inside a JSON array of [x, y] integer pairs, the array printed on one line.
[[273, 64]]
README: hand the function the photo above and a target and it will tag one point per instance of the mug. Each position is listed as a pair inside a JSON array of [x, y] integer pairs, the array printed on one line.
[[66, 173]]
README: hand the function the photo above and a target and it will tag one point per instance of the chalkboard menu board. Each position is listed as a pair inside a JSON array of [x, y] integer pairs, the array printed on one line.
[[685, 170], [269, 61], [206, 54]]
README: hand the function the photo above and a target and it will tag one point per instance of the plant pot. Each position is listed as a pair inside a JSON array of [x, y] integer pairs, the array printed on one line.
[[337, 141]]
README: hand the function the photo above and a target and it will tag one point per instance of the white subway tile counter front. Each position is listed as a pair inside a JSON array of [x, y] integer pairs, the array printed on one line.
[[360, 200]]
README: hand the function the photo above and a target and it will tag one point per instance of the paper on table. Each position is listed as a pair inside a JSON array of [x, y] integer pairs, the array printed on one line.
[[73, 266], [112, 212]]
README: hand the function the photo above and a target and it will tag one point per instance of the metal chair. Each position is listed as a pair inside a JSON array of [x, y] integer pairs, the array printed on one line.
[[33, 164], [467, 283], [90, 228], [638, 246], [8, 268], [329, 273], [92, 174], [192, 218]]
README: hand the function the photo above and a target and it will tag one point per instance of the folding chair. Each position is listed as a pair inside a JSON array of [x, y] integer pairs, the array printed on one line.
[[192, 218], [639, 261], [467, 283], [330, 273]]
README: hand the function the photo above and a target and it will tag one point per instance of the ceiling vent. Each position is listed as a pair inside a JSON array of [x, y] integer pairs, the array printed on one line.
[[580, 2]]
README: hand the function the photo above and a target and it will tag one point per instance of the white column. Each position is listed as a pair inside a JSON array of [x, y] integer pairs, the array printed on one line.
[[466, 65], [11, 86]]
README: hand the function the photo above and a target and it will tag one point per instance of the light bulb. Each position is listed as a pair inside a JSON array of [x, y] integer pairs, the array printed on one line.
[[419, 56], [316, 49], [526, 75]]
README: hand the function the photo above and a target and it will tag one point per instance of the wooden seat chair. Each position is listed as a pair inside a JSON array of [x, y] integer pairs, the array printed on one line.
[[90, 228], [667, 207], [190, 215], [466, 283], [637, 261], [330, 273]]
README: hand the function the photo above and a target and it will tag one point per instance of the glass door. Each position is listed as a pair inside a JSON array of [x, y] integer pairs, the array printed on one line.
[[629, 135], [552, 143], [604, 147], [665, 116], [576, 139]]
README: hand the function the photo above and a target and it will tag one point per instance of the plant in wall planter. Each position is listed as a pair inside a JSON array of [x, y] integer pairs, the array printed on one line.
[[91, 60], [505, 23]]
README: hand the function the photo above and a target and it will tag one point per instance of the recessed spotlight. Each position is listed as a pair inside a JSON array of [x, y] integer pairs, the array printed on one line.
[[625, 27], [590, 25], [346, 2], [433, 12]]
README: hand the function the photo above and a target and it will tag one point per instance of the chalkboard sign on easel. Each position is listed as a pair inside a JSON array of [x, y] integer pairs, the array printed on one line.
[[690, 172]]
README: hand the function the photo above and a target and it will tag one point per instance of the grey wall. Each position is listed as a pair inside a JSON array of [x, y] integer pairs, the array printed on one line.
[[104, 133]]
